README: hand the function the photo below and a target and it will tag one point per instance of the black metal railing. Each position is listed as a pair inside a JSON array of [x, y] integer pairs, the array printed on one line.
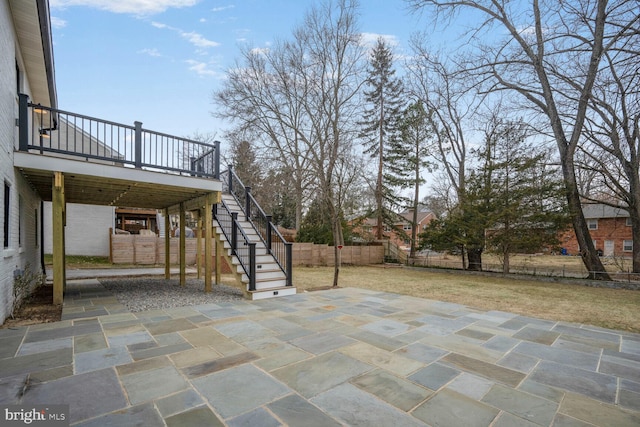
[[53, 131], [276, 245], [241, 246]]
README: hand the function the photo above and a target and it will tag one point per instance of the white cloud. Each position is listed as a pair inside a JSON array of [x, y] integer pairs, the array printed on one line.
[[137, 7], [201, 68], [198, 40], [221, 8], [370, 39], [150, 52], [260, 50], [58, 22], [194, 38], [161, 25]]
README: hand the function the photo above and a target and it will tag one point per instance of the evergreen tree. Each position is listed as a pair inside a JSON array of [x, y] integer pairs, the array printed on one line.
[[513, 203], [380, 126], [409, 156], [526, 198], [245, 163]]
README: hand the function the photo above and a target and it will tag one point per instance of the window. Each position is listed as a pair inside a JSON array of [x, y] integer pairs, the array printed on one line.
[[592, 224], [628, 222], [627, 245], [7, 198], [406, 227]]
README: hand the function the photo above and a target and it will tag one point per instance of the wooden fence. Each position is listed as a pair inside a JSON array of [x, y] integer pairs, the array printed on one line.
[[310, 254], [148, 250]]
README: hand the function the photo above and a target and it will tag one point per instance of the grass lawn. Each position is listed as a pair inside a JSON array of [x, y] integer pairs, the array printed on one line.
[[607, 308]]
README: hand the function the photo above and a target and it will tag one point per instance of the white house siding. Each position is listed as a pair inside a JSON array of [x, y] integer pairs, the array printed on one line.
[[25, 250], [87, 230]]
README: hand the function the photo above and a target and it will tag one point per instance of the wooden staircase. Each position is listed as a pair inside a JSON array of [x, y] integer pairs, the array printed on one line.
[[270, 279]]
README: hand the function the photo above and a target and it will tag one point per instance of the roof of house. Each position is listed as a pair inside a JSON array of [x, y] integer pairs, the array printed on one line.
[[33, 30], [600, 210], [406, 215]]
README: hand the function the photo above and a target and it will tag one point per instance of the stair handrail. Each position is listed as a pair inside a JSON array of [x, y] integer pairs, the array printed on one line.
[[241, 246], [276, 244]]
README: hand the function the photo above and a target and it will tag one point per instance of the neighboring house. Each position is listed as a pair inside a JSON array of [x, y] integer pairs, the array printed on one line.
[[369, 227], [610, 230], [26, 66]]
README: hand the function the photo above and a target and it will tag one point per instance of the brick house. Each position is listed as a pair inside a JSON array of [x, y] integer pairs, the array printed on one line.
[[370, 226], [610, 229]]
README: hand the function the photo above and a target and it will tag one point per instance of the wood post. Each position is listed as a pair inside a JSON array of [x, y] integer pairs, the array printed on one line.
[[208, 225], [58, 211], [183, 251], [199, 244], [167, 245]]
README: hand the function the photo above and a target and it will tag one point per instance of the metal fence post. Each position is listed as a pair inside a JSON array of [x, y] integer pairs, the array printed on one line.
[[230, 179], [216, 164], [268, 236], [138, 145], [234, 232], [23, 122], [247, 202], [288, 249], [252, 266]]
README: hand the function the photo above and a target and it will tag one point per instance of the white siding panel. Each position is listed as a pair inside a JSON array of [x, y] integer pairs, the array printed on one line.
[[87, 230]]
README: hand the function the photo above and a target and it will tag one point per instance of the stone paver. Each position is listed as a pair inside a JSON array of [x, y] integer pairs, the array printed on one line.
[[349, 356]]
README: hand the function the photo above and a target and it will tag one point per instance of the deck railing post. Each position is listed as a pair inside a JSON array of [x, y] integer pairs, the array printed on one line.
[[138, 145], [230, 179], [252, 266], [247, 202], [268, 236], [216, 160], [289, 251], [234, 232], [23, 122]]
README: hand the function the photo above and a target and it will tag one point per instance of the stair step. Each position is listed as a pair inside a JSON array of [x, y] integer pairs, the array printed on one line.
[[281, 291]]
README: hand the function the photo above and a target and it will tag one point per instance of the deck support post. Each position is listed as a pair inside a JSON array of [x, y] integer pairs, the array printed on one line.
[[199, 244], [183, 257], [208, 226], [59, 219], [167, 245]]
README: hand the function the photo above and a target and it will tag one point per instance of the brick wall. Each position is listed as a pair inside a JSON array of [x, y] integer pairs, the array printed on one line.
[[609, 229], [22, 250]]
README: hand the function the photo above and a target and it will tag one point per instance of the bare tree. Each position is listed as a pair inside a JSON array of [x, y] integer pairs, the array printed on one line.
[[453, 107], [302, 95], [550, 57], [612, 130], [259, 98], [328, 59]]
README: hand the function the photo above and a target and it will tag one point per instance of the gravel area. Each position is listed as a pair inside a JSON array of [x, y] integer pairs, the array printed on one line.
[[150, 293]]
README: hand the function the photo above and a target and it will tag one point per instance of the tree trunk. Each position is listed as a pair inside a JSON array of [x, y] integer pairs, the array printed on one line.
[[635, 233], [475, 259], [588, 252], [505, 262]]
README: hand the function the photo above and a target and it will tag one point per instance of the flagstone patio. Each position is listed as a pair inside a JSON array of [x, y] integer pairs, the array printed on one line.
[[338, 357]]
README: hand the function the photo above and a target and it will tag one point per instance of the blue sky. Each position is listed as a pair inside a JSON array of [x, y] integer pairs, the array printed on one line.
[[159, 61]]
